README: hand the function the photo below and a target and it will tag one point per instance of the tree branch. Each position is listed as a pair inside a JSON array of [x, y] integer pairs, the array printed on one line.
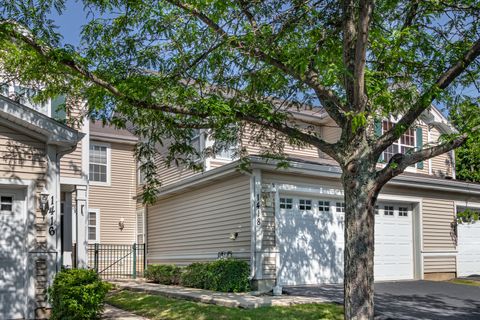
[[331, 101], [359, 92], [328, 148], [19, 32], [249, 15], [427, 98], [399, 162]]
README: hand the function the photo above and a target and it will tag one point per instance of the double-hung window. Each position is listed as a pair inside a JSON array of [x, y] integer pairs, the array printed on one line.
[[99, 163], [93, 225], [196, 143], [404, 145]]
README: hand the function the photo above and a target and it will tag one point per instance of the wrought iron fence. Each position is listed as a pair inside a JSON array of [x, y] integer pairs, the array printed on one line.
[[117, 261]]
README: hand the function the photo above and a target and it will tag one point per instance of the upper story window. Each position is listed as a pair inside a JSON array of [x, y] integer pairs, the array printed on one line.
[[99, 163], [405, 144], [196, 143]]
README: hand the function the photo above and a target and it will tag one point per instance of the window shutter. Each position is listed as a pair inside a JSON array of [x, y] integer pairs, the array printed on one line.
[[419, 144], [58, 108], [378, 128], [378, 133]]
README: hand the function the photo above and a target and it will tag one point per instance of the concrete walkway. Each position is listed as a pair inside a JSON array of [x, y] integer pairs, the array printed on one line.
[[110, 312], [240, 300]]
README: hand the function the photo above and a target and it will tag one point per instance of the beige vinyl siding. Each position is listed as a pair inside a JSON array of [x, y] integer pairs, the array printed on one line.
[[116, 200], [197, 224], [441, 165], [24, 158], [257, 141], [71, 164], [442, 264], [173, 173], [437, 218]]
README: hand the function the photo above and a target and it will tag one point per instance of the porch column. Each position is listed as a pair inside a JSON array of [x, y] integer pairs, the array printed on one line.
[[81, 226]]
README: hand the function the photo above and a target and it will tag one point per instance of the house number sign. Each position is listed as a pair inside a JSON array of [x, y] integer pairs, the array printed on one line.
[[51, 214]]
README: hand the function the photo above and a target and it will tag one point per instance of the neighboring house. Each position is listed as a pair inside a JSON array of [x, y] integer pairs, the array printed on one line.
[[289, 222], [87, 175]]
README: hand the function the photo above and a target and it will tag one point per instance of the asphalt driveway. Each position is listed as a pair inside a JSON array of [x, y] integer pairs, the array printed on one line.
[[411, 299]]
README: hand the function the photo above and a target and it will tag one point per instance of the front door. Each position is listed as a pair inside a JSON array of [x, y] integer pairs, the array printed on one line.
[[12, 254]]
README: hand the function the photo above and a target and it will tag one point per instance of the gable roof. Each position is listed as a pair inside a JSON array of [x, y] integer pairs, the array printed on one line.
[[36, 124], [99, 131]]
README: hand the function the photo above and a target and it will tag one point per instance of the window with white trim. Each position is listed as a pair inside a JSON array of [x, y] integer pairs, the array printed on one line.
[[402, 212], [405, 144], [388, 211], [305, 204], [340, 207], [324, 206], [6, 203], [196, 143], [98, 165], [140, 226], [94, 225], [286, 203], [376, 209]]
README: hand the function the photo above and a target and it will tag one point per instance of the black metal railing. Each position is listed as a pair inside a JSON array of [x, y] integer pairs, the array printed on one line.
[[117, 261]]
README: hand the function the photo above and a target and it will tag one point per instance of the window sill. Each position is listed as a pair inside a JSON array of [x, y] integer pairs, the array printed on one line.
[[99, 184]]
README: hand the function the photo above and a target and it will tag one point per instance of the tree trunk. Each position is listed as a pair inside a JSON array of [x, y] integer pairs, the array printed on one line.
[[360, 198]]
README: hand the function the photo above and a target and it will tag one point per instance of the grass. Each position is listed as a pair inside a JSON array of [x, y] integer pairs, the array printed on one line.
[[159, 307], [466, 282]]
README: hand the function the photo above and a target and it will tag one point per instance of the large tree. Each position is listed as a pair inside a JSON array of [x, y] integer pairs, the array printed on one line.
[[169, 67]]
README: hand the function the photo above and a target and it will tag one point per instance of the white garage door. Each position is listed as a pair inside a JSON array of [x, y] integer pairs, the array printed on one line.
[[311, 241], [468, 249], [12, 254]]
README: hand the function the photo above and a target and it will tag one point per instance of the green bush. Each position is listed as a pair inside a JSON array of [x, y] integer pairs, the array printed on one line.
[[163, 274], [77, 294], [225, 275], [194, 275]]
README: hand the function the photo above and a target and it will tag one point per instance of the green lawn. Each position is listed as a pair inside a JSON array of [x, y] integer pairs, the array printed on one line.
[[466, 281], [158, 307]]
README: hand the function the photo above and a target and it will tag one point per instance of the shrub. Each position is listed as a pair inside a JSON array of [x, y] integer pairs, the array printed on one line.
[[77, 294], [194, 275], [164, 274], [225, 275]]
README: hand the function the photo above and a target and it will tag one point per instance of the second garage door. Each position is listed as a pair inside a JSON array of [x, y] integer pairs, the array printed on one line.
[[311, 241]]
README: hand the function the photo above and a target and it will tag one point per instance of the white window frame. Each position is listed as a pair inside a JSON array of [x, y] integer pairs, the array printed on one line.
[[141, 212], [109, 163], [339, 207], [403, 212], [388, 208], [412, 168], [97, 231]]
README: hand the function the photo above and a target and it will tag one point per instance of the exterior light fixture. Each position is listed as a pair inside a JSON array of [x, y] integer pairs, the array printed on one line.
[[233, 236], [44, 201], [121, 224]]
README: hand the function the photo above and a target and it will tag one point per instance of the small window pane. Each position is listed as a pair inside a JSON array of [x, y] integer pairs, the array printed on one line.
[[402, 212], [376, 209], [305, 204], [388, 211], [340, 207], [92, 226], [6, 203], [324, 206], [286, 203]]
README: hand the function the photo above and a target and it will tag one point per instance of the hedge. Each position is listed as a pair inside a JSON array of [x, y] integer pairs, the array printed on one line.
[[77, 294], [163, 274], [225, 275]]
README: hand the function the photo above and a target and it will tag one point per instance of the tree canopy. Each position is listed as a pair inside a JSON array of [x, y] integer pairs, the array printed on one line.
[[170, 67]]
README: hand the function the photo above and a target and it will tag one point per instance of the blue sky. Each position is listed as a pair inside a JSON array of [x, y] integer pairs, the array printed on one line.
[[70, 22]]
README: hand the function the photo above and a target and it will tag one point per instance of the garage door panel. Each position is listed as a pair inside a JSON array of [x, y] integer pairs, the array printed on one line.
[[468, 249], [393, 246]]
